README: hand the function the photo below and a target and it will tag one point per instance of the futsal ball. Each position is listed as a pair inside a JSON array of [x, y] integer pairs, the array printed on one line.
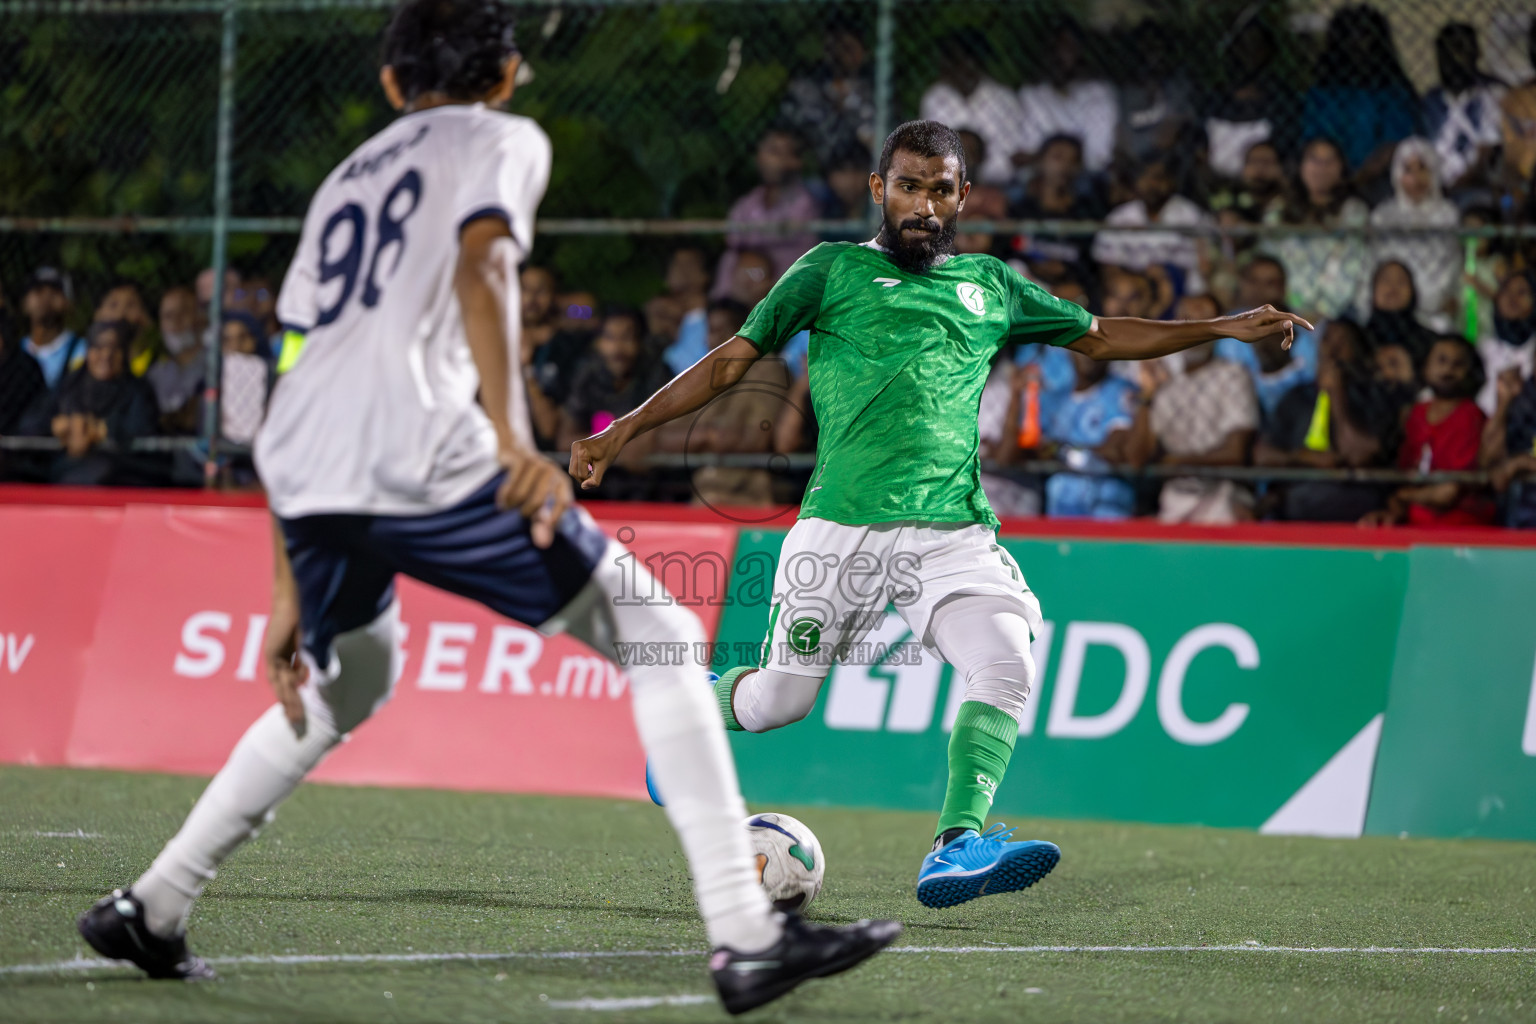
[[789, 860]]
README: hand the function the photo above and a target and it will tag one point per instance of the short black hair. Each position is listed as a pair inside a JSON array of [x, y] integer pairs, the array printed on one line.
[[848, 153], [693, 247], [125, 282], [1476, 376], [1055, 140], [737, 309], [630, 313], [785, 129], [542, 268], [924, 138], [122, 330], [456, 47], [761, 254], [980, 144], [1360, 338], [1263, 257], [1158, 158]]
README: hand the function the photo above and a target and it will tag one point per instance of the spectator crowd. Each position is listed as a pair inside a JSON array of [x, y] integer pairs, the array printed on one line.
[[130, 375], [1421, 359]]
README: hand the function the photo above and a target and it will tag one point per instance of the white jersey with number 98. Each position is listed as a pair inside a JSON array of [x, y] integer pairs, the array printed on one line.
[[378, 412]]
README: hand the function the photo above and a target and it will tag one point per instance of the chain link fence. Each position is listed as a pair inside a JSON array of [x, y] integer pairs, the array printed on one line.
[[149, 139]]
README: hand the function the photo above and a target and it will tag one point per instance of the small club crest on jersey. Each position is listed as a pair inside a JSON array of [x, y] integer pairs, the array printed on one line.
[[805, 635], [972, 297]]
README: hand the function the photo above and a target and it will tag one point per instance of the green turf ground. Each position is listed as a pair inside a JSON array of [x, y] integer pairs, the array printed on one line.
[[367, 871]]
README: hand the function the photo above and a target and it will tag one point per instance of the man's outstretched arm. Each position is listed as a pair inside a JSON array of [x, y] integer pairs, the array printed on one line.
[[1128, 337], [689, 391]]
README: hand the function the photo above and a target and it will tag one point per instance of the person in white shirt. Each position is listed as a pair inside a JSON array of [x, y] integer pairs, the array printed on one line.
[[1155, 203], [1066, 104], [401, 304], [964, 97], [1464, 113]]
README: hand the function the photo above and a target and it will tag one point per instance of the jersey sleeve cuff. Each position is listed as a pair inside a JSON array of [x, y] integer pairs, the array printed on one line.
[[499, 212]]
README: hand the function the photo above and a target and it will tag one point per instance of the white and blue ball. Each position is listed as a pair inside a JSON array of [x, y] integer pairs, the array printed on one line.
[[790, 864]]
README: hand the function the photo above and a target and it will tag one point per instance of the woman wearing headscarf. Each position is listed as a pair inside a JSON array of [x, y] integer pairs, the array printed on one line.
[[246, 377], [1512, 345], [1393, 311], [1434, 260], [1322, 271], [97, 410]]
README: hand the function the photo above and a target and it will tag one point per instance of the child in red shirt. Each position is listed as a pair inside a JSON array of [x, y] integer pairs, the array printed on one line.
[[1442, 433]]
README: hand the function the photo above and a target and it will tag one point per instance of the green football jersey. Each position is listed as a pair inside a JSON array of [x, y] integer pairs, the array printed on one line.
[[897, 363]]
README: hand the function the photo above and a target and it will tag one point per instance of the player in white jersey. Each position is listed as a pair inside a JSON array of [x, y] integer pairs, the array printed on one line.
[[399, 307]]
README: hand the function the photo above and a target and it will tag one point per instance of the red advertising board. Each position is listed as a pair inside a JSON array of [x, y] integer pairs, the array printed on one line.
[[148, 621], [51, 581]]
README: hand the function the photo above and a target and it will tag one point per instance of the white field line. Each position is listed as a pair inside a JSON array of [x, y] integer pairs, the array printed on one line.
[[630, 1003], [1245, 948], [78, 833], [81, 963], [300, 959]]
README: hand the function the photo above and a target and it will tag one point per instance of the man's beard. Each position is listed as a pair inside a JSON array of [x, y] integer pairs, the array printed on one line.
[[49, 321], [926, 252]]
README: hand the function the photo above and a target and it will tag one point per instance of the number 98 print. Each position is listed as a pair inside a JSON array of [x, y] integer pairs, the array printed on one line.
[[402, 200]]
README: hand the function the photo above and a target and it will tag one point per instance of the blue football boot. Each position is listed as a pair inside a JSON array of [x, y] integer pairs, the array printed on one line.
[[650, 783], [984, 864]]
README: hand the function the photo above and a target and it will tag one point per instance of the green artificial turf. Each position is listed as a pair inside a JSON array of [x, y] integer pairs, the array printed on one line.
[[374, 871]]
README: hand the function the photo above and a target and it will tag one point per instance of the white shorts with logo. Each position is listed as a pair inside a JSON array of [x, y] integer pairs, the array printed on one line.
[[835, 581]]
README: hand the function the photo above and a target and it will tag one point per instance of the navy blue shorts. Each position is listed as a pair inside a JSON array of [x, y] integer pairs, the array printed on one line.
[[345, 565]]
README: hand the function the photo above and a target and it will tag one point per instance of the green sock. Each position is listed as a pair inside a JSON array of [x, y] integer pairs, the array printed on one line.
[[723, 690], [979, 751]]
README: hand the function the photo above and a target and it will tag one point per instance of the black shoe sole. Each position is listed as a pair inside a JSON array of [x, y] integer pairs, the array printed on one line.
[[825, 970]]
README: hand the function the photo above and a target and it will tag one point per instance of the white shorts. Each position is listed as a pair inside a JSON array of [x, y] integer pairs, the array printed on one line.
[[834, 583]]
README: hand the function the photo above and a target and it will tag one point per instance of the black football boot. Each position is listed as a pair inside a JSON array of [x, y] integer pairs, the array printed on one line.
[[805, 951], [115, 928]]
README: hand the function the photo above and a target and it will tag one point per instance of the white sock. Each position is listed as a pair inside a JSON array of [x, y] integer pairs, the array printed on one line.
[[691, 762], [692, 766], [266, 766]]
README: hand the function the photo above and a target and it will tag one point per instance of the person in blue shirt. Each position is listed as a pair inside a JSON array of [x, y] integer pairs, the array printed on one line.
[[1360, 95], [57, 349], [1053, 364], [1274, 370], [1090, 425], [688, 282]]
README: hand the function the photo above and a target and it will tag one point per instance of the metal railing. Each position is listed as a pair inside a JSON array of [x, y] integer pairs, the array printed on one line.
[[805, 462]]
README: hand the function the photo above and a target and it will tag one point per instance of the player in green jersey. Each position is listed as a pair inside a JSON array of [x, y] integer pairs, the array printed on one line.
[[903, 332]]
